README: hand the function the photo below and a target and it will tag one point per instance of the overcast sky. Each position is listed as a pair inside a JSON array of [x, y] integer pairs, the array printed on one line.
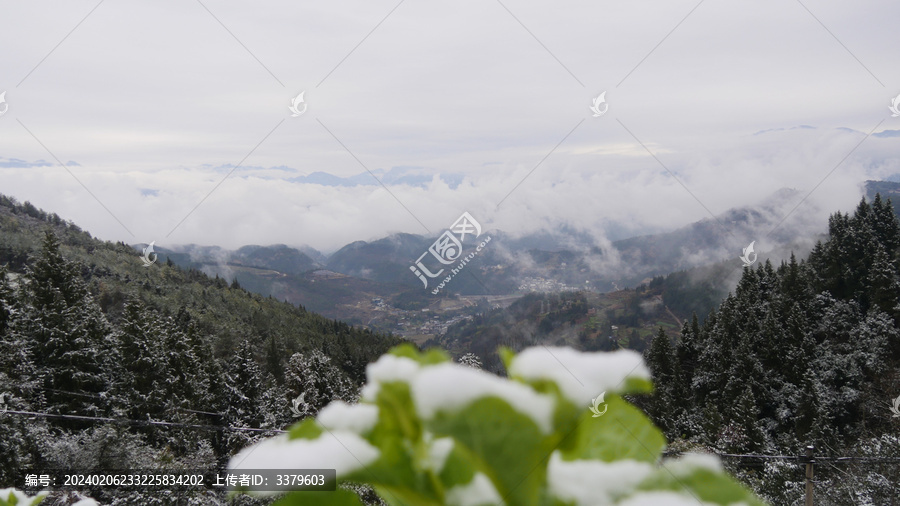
[[172, 116]]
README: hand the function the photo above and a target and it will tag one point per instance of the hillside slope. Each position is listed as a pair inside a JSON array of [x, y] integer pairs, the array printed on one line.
[[108, 364]]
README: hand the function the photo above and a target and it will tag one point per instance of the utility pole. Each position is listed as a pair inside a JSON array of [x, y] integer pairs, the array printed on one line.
[[809, 475]]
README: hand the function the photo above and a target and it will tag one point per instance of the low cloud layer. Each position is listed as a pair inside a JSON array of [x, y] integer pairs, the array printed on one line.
[[465, 107]]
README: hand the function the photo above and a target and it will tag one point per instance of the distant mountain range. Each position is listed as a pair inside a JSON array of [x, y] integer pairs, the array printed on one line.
[[396, 175], [883, 133], [338, 284]]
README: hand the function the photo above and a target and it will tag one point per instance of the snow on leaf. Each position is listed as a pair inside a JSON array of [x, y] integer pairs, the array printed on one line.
[[357, 418], [431, 393], [438, 451], [690, 462], [342, 451], [480, 491], [594, 481], [13, 496], [580, 375], [387, 368], [660, 499]]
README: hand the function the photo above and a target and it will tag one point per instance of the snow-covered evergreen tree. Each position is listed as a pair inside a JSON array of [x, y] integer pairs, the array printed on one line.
[[313, 375], [140, 386], [663, 366], [70, 340], [471, 360], [243, 388]]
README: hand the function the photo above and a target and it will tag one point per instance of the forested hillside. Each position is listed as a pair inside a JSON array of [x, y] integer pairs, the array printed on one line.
[[805, 353], [106, 363], [589, 321], [98, 353]]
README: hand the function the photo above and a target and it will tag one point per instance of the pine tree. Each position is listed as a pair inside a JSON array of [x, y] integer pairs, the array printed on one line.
[[882, 284], [686, 348], [17, 384], [794, 283], [796, 329], [662, 363], [314, 375], [70, 339], [275, 404], [886, 225], [141, 384], [7, 303], [274, 364], [17, 372], [686, 354], [242, 396], [196, 363], [182, 364], [808, 413], [746, 416], [194, 389], [660, 358], [710, 358], [243, 388]]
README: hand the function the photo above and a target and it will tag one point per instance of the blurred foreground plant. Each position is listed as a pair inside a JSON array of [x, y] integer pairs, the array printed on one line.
[[13, 497], [431, 432]]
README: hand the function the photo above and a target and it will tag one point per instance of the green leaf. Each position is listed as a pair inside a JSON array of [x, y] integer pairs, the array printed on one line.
[[459, 468], [398, 436], [505, 445], [623, 432], [565, 414], [635, 385], [397, 414], [305, 429], [11, 499], [430, 357], [394, 471], [705, 484], [506, 355]]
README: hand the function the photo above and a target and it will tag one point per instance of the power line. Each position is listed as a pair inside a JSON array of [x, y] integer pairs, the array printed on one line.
[[781, 457], [800, 458], [125, 421], [867, 459], [102, 397]]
